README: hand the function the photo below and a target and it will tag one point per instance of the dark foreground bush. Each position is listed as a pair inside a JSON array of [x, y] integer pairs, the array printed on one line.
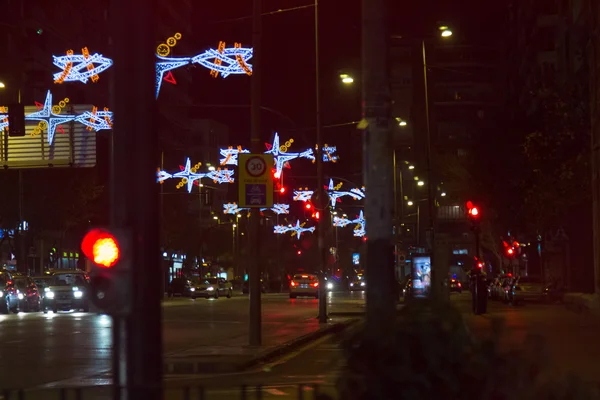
[[431, 355]]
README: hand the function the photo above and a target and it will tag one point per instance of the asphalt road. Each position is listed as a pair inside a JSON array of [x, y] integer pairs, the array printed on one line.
[[39, 349]]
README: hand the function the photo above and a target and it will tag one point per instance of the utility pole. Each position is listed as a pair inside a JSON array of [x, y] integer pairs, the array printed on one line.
[[137, 339], [255, 337], [378, 171], [322, 203]]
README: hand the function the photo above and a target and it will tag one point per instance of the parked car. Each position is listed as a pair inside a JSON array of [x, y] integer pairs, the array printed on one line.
[[304, 285], [180, 287], [528, 289]]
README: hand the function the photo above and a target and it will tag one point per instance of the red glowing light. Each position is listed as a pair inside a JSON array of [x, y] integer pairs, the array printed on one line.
[[308, 206]]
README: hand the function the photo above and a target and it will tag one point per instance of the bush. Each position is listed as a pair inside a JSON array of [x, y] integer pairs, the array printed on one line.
[[431, 355]]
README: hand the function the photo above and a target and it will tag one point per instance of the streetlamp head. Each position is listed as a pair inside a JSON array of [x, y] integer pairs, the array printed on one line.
[[410, 203], [421, 183], [346, 79], [2, 85], [446, 33]]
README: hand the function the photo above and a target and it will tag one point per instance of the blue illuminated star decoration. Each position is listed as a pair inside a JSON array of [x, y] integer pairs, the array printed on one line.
[[329, 154], [79, 68], [334, 195], [190, 178], [232, 208], [296, 229], [94, 120], [359, 228], [283, 157], [233, 61]]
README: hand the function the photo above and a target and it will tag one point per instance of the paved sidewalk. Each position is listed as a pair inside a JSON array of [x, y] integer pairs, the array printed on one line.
[[570, 340]]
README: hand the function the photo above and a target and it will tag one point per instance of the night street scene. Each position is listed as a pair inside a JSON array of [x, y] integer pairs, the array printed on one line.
[[301, 199]]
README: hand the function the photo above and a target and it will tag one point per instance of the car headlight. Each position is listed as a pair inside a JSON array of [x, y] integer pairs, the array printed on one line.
[[75, 289], [46, 289], [362, 284], [192, 289], [330, 285], [50, 294], [1, 294], [78, 294], [210, 288], [352, 284], [20, 296]]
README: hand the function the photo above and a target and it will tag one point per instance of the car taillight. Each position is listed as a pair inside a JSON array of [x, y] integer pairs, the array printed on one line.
[[459, 285], [316, 284], [292, 283]]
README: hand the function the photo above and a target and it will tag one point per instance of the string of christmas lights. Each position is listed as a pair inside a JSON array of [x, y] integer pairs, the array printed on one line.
[[296, 230], [93, 120], [335, 194], [189, 177]]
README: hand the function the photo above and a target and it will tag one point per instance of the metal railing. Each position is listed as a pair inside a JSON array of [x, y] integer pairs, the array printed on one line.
[[108, 392]]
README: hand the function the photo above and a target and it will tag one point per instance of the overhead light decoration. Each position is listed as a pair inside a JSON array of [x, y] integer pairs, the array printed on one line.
[[359, 228], [335, 193], [232, 208], [190, 177], [303, 195], [280, 153], [80, 67], [222, 61], [297, 230], [49, 118]]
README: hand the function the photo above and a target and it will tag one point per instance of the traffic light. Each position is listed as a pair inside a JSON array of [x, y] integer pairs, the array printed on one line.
[[52, 255], [16, 120], [308, 206], [473, 211], [510, 252], [282, 190], [110, 283]]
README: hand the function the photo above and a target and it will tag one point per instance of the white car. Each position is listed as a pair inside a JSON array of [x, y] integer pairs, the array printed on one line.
[[304, 285]]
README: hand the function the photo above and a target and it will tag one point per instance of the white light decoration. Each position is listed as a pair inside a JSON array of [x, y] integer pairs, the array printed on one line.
[[94, 120], [225, 61], [80, 67], [303, 195], [232, 208], [329, 154], [189, 177], [335, 194], [230, 155], [359, 229], [297, 229]]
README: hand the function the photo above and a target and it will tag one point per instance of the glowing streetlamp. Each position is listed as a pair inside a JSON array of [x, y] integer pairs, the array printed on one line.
[[445, 31], [2, 85], [346, 79]]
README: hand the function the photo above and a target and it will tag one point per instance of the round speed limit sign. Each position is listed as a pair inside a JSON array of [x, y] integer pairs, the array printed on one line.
[[256, 166]]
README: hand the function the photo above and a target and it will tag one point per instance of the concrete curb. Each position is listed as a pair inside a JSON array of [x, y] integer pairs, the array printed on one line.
[[221, 364]]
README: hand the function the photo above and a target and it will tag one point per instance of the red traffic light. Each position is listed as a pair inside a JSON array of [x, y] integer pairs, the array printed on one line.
[[474, 211], [308, 206], [282, 190], [101, 247], [510, 251], [299, 252], [480, 265]]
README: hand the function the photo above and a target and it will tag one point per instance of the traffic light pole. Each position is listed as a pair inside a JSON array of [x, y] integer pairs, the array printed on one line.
[[254, 286], [137, 354], [322, 202]]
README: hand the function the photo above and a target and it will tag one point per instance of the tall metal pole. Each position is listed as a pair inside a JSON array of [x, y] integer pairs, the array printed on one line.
[[436, 276], [378, 171], [255, 337], [138, 339], [323, 203]]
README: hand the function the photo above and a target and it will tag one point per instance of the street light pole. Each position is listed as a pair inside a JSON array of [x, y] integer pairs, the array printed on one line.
[[255, 326], [436, 277], [322, 203]]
